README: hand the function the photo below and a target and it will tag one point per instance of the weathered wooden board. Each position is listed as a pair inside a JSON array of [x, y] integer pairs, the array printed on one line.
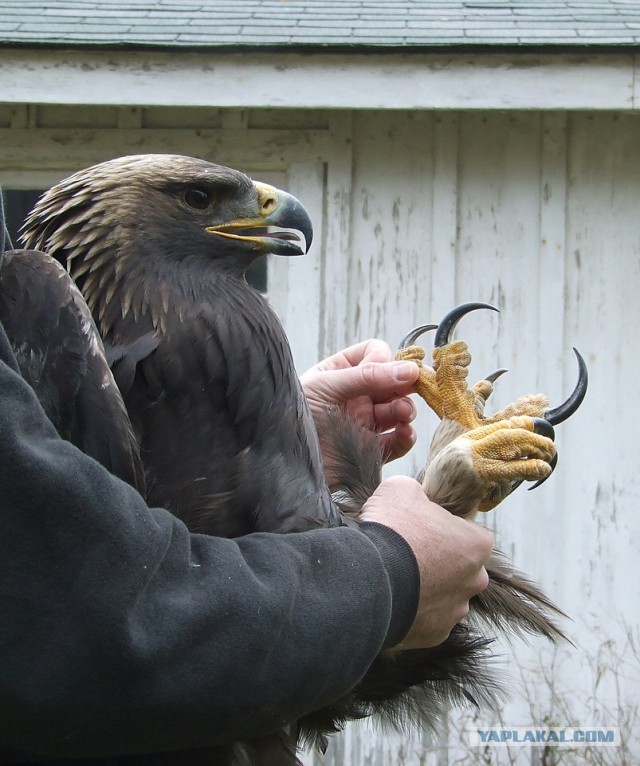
[[340, 81], [534, 212]]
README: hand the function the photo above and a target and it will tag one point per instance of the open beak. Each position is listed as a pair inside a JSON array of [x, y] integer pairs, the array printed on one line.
[[282, 226]]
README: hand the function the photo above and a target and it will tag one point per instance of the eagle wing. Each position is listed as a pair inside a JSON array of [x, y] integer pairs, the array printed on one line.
[[227, 436], [60, 354]]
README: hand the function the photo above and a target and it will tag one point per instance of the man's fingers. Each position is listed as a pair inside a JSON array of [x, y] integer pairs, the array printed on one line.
[[388, 415], [398, 442], [381, 382], [372, 350], [482, 582]]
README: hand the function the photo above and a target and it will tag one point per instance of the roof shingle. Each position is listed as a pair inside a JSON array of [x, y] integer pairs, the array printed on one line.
[[321, 23]]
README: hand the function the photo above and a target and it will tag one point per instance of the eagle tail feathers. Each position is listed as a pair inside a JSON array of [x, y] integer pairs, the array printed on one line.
[[512, 603], [414, 689]]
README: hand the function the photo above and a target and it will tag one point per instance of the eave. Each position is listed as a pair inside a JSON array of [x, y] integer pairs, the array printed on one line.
[[253, 78]]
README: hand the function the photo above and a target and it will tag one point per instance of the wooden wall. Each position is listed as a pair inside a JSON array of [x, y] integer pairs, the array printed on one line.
[[535, 212]]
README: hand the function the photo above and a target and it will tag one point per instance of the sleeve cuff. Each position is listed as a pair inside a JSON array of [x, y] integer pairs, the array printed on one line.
[[404, 578]]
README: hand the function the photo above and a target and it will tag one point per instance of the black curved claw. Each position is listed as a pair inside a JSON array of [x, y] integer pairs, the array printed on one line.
[[446, 327], [543, 427], [566, 409], [495, 375], [411, 337], [553, 463]]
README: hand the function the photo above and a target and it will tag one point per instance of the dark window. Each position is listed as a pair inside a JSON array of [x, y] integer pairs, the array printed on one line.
[[257, 274], [19, 202], [17, 205]]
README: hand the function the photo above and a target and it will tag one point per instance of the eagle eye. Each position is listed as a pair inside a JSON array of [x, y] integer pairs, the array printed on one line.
[[198, 198]]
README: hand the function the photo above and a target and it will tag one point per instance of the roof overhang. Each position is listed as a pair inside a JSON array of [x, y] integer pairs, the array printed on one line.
[[372, 80]]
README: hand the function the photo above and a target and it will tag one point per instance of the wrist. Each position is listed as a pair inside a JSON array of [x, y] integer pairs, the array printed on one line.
[[404, 578]]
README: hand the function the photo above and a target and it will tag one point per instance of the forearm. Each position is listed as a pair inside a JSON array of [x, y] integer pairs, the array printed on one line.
[[122, 632]]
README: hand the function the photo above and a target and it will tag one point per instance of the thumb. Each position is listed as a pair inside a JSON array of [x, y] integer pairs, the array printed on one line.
[[380, 381], [397, 502]]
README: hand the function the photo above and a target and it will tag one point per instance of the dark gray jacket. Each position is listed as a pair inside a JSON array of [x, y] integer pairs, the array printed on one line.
[[121, 632]]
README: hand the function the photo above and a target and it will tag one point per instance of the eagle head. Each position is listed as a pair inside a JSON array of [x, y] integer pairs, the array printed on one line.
[[157, 220]]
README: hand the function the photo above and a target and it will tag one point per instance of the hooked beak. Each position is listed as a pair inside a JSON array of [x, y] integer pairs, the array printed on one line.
[[282, 226]]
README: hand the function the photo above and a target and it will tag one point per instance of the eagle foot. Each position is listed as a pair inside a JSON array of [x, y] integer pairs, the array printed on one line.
[[444, 387], [491, 455], [477, 469]]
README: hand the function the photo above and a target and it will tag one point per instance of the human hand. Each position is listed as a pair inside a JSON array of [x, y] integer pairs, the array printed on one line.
[[451, 553], [371, 389]]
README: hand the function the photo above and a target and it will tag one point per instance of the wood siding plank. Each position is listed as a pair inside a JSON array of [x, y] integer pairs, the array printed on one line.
[[71, 149], [293, 80]]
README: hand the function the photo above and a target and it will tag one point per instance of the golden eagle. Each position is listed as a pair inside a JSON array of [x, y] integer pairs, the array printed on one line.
[[158, 245]]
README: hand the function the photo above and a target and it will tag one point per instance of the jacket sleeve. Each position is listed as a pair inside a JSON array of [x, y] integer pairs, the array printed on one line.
[[122, 632]]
